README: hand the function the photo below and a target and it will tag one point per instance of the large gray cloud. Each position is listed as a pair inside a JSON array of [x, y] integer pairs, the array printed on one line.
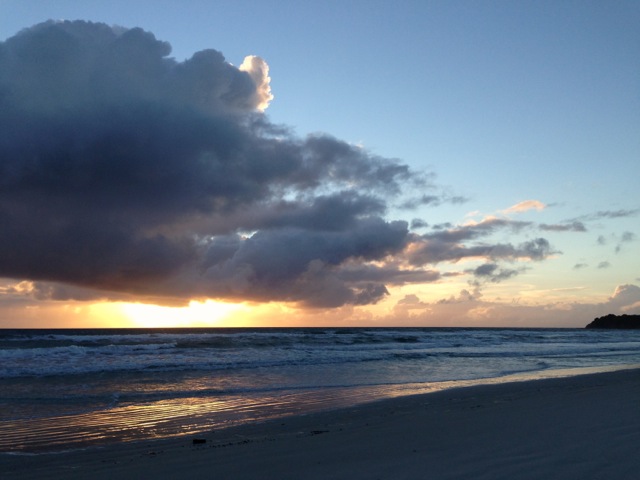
[[127, 174], [124, 170], [297, 261]]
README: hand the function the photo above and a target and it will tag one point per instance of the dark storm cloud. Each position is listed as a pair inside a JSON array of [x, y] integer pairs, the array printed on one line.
[[325, 212], [124, 170], [56, 291], [126, 174], [300, 261]]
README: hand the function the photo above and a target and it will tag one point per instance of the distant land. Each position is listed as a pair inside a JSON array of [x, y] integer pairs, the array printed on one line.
[[625, 322]]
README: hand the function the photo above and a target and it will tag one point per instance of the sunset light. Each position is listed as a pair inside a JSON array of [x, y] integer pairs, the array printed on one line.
[[267, 181], [198, 314], [228, 227]]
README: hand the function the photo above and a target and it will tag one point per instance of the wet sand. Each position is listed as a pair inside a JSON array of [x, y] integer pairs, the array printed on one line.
[[582, 427]]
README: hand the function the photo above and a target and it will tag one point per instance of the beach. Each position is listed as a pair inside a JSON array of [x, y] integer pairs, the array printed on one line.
[[582, 427]]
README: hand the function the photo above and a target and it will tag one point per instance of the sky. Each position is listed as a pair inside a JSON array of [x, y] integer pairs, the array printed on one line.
[[280, 163]]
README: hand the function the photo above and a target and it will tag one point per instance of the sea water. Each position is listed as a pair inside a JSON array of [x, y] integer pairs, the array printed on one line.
[[64, 389]]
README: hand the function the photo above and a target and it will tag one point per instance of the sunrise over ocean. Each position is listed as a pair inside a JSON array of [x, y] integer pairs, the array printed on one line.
[[340, 239]]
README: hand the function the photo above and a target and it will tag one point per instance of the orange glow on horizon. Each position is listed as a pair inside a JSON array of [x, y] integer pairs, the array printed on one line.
[[209, 313]]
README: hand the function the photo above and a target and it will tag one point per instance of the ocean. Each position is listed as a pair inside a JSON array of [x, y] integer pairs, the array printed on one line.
[[69, 389]]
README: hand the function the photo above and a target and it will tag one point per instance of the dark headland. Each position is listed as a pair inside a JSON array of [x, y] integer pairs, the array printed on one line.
[[624, 322]]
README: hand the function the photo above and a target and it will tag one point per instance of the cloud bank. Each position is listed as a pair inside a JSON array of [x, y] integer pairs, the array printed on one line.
[[125, 173], [470, 309]]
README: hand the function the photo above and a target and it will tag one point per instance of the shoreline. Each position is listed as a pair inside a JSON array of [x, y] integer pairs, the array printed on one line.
[[166, 420], [582, 426]]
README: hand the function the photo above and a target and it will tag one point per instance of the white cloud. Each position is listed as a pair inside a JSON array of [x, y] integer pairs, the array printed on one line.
[[524, 206], [258, 69]]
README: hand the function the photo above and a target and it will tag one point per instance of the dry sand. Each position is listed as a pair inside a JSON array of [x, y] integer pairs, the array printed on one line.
[[584, 427]]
